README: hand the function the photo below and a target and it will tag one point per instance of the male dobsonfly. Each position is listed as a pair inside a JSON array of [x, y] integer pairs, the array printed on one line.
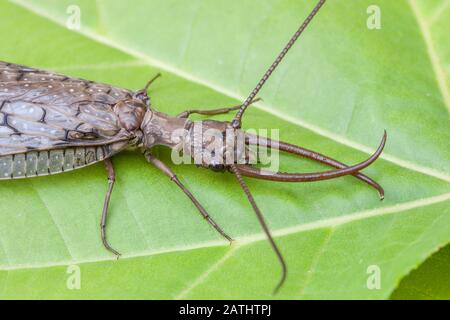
[[51, 123]]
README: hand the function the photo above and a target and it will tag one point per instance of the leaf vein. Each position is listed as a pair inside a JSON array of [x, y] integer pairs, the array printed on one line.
[[431, 50], [315, 261], [203, 276], [316, 225]]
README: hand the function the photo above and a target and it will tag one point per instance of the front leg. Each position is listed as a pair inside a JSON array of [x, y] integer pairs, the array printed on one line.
[[168, 172], [212, 112]]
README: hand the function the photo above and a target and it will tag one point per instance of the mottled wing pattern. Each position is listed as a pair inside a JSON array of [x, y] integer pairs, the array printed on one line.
[[51, 123]]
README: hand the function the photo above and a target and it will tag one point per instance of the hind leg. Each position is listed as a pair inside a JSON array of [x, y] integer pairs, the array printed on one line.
[[111, 179]]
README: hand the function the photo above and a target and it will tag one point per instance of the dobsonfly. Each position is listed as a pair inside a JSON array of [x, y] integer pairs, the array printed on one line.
[[51, 123]]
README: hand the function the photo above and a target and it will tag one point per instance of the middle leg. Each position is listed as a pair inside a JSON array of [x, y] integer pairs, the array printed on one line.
[[111, 179]]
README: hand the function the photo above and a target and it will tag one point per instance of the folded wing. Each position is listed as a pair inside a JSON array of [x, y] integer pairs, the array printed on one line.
[[42, 113]]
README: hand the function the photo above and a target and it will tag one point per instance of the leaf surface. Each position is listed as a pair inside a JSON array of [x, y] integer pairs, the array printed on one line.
[[336, 91], [431, 280]]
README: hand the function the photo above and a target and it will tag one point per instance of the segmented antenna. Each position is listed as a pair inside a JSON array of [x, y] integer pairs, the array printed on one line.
[[236, 123], [150, 82]]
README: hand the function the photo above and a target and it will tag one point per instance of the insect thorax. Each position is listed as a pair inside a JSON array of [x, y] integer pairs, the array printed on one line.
[[130, 113], [162, 129]]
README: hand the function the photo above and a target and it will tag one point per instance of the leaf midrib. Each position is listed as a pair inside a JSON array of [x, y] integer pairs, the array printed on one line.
[[91, 34], [249, 239], [439, 71]]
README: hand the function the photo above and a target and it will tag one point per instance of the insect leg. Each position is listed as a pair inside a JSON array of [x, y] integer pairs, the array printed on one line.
[[262, 221], [111, 179], [168, 172], [212, 112], [293, 149]]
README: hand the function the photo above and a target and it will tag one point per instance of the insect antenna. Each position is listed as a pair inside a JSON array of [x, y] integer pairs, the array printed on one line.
[[142, 94], [263, 224], [236, 123], [150, 82]]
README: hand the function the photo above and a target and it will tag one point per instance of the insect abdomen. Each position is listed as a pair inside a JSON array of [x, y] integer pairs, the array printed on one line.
[[41, 163]]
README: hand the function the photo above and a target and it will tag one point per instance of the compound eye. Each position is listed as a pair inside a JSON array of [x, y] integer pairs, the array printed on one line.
[[142, 95], [217, 167]]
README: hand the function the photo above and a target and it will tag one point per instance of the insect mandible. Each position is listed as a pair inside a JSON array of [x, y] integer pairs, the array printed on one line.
[[51, 123]]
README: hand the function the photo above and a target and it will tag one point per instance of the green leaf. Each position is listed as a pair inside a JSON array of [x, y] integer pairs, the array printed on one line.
[[335, 92], [431, 280]]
